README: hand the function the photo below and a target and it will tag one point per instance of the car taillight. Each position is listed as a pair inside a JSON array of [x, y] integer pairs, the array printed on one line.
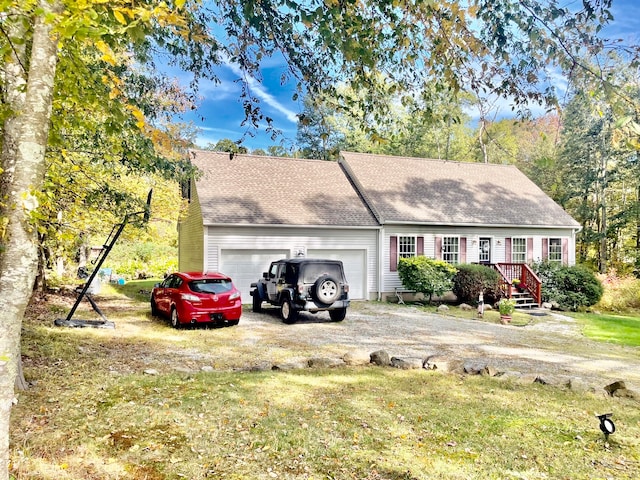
[[300, 288], [190, 298], [346, 288], [234, 296]]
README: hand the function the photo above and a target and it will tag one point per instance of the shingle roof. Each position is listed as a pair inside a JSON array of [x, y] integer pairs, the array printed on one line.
[[261, 190], [416, 190]]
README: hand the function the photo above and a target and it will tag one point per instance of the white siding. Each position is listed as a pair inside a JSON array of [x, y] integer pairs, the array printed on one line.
[[390, 280], [290, 240]]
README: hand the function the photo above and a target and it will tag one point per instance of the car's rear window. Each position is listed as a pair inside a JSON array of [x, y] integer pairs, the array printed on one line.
[[211, 285], [312, 271]]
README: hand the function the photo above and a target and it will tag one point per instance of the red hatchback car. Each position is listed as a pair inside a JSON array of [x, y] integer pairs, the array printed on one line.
[[193, 297]]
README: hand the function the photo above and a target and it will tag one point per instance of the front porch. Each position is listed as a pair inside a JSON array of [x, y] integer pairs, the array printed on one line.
[[527, 288]]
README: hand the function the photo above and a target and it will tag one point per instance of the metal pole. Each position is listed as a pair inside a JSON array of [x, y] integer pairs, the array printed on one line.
[[108, 248]]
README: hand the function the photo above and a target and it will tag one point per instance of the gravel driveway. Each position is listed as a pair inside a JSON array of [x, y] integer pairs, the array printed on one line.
[[551, 347]]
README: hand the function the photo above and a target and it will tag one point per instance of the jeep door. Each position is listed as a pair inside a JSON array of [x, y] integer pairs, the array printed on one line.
[[276, 277]]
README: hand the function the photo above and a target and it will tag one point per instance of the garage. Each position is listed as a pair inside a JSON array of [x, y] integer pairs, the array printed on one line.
[[246, 266], [354, 262]]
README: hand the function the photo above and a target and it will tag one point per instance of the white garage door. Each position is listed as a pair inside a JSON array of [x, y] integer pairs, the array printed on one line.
[[354, 262], [246, 266]]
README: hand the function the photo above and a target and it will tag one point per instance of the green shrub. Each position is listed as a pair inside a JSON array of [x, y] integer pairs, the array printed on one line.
[[426, 275], [471, 279], [571, 288]]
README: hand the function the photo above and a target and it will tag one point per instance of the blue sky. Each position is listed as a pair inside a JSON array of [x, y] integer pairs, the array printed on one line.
[[220, 112]]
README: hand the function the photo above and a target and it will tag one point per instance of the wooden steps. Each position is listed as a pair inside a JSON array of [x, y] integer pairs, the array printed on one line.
[[524, 300]]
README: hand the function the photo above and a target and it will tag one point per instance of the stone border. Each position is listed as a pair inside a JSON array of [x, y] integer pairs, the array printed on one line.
[[445, 365]]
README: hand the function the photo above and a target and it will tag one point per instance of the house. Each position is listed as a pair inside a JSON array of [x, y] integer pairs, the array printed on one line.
[[246, 211], [368, 211]]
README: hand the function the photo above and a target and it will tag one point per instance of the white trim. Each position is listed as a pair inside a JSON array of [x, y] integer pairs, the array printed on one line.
[[491, 239], [315, 227], [381, 267], [548, 259], [415, 246], [458, 237], [205, 250], [483, 225]]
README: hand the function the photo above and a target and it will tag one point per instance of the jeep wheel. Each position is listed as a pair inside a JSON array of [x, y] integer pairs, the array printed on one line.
[[288, 313], [338, 314], [257, 301], [325, 291]]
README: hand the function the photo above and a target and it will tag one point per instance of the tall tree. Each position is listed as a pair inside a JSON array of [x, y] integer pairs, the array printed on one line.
[[318, 135], [28, 78]]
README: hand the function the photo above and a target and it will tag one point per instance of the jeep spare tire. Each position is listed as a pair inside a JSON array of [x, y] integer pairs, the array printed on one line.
[[325, 290]]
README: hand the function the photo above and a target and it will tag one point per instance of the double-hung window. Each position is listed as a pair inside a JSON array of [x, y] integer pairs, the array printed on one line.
[[519, 250], [451, 249], [406, 247], [555, 250]]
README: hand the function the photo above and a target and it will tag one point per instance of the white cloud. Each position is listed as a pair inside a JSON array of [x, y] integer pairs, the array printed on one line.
[[261, 92]]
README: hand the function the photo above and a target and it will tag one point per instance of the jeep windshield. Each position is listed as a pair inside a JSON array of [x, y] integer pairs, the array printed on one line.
[[312, 271]]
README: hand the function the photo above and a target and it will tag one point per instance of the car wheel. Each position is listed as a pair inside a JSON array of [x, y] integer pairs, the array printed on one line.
[[257, 301], [154, 308], [288, 313], [325, 291], [338, 314], [175, 321]]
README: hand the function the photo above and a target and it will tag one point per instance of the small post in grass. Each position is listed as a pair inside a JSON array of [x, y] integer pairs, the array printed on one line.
[[480, 305]]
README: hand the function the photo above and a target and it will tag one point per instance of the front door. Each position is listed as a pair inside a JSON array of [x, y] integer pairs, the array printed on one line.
[[484, 253]]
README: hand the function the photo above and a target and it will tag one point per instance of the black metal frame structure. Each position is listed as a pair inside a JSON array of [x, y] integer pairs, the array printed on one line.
[[106, 249]]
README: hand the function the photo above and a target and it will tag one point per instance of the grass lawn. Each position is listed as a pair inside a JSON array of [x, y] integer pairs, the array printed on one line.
[[621, 329], [94, 414]]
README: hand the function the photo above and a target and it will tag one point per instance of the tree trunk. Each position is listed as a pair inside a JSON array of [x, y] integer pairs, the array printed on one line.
[[28, 90]]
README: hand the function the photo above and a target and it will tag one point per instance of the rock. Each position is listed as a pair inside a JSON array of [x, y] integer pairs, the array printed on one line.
[[290, 365], [356, 357], [490, 371], [546, 305], [261, 367], [443, 308], [151, 371], [473, 368], [512, 376], [554, 380], [625, 393], [184, 370], [612, 387], [380, 358], [405, 364], [579, 385], [443, 364], [541, 380], [527, 378], [207, 368], [464, 306], [323, 362]]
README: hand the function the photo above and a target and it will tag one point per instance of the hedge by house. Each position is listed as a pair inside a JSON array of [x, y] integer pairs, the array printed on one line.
[[571, 288], [471, 279], [426, 275]]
